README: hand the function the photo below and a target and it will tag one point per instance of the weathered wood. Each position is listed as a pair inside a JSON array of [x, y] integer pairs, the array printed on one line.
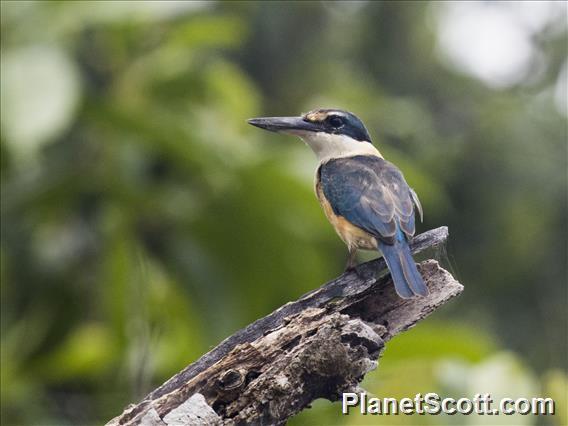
[[316, 347]]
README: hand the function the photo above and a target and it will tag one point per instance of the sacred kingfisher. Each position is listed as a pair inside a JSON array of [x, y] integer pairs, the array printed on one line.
[[365, 197]]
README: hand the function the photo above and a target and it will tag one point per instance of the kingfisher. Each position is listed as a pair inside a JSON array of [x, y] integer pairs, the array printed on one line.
[[365, 197]]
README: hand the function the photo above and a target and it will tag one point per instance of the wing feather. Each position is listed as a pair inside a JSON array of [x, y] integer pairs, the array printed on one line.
[[371, 193]]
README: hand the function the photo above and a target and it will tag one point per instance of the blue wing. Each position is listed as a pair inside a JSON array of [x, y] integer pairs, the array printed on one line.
[[372, 194]]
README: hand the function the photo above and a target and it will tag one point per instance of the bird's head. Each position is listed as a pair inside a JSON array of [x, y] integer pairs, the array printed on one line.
[[331, 133]]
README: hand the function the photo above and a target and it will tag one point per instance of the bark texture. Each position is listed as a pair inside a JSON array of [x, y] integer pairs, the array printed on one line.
[[319, 346]]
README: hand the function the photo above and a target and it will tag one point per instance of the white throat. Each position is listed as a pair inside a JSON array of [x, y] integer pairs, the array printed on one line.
[[327, 146]]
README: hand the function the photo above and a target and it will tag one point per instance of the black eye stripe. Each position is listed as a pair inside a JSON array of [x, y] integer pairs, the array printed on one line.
[[335, 121], [338, 122]]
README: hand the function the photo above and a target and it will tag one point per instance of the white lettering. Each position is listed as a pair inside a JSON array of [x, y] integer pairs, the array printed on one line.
[[374, 406], [406, 406], [446, 402], [464, 406], [349, 399], [432, 401]]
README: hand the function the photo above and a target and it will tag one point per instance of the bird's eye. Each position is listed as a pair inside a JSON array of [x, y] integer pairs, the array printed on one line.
[[335, 121]]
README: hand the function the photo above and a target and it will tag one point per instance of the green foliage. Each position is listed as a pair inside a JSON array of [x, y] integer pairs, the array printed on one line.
[[143, 221]]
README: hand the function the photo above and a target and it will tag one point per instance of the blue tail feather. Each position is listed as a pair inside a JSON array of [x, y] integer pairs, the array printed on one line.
[[407, 280]]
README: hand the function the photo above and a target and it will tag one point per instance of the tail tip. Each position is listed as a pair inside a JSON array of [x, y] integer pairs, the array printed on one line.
[[412, 293]]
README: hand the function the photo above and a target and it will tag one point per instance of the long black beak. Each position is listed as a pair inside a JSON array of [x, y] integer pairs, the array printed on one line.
[[284, 124]]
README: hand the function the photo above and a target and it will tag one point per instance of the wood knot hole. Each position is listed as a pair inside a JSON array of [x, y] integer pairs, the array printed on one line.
[[231, 379]]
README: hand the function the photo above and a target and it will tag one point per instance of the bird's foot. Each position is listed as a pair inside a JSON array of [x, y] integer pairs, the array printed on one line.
[[350, 268]]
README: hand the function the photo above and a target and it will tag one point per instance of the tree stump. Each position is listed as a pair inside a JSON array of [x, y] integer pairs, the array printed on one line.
[[319, 346]]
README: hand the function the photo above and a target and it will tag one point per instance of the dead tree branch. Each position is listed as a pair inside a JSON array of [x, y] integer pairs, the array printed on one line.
[[316, 347]]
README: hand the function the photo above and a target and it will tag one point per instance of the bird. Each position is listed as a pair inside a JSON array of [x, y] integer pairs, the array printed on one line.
[[364, 196]]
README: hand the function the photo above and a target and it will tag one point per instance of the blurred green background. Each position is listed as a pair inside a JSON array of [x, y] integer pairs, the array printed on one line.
[[143, 220]]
